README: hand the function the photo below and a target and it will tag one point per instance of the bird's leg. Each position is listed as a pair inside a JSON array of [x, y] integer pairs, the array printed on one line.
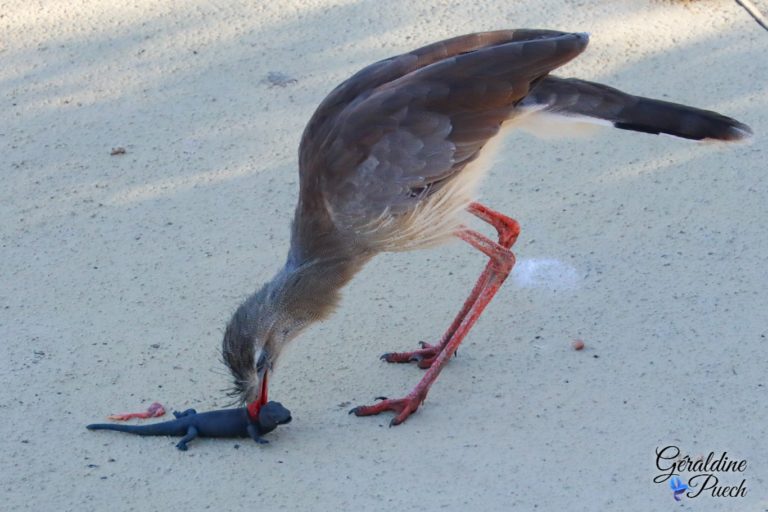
[[496, 271], [508, 230]]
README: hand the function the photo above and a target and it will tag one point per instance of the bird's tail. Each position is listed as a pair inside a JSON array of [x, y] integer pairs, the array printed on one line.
[[580, 101]]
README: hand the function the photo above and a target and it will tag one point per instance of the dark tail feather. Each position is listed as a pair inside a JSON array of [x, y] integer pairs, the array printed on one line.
[[572, 97]]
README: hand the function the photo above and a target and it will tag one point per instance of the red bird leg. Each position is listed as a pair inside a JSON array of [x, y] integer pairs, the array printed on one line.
[[508, 230], [502, 261], [153, 411]]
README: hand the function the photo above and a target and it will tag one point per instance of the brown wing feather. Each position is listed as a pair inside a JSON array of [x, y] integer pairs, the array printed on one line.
[[396, 140], [365, 81]]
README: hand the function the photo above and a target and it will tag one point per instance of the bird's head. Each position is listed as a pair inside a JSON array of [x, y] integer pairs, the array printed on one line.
[[252, 343], [270, 318]]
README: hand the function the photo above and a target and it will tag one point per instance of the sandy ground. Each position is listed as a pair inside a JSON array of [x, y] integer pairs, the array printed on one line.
[[118, 273]]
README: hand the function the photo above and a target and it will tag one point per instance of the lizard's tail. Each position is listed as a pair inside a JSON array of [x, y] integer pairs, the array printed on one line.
[[133, 429], [165, 428]]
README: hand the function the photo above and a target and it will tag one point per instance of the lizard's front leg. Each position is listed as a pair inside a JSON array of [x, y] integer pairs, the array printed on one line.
[[253, 431]]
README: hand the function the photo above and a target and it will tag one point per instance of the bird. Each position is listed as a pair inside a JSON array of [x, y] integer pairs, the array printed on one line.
[[391, 161]]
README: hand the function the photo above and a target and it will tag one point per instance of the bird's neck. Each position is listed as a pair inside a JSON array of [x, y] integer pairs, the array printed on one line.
[[301, 294]]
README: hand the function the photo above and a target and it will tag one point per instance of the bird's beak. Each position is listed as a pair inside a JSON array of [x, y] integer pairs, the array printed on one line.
[[261, 395]]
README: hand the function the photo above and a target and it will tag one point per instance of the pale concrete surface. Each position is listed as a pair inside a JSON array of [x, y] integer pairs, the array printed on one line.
[[118, 273]]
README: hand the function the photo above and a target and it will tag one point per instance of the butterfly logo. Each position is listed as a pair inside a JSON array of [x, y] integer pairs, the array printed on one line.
[[678, 487]]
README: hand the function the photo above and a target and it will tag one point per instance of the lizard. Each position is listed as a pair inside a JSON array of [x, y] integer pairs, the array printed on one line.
[[219, 423]]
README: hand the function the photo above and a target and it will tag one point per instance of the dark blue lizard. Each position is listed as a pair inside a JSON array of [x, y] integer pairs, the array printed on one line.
[[221, 423]]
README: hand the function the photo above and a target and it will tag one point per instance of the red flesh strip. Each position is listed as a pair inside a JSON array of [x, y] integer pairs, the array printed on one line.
[[153, 411]]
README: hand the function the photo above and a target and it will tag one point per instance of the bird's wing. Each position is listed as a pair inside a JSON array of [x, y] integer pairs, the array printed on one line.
[[404, 137], [360, 85]]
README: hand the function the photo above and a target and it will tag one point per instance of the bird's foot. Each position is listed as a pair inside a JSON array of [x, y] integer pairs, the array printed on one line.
[[423, 357], [403, 407]]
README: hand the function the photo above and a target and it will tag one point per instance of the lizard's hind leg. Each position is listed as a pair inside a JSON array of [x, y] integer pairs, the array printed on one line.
[[191, 434], [181, 414]]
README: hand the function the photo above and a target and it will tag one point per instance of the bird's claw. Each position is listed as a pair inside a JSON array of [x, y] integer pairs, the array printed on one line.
[[403, 407], [423, 357]]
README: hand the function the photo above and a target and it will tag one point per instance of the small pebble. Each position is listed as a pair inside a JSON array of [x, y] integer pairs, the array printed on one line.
[[577, 344], [276, 78]]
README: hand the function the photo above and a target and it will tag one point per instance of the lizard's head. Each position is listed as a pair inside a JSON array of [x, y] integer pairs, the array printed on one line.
[[273, 414]]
